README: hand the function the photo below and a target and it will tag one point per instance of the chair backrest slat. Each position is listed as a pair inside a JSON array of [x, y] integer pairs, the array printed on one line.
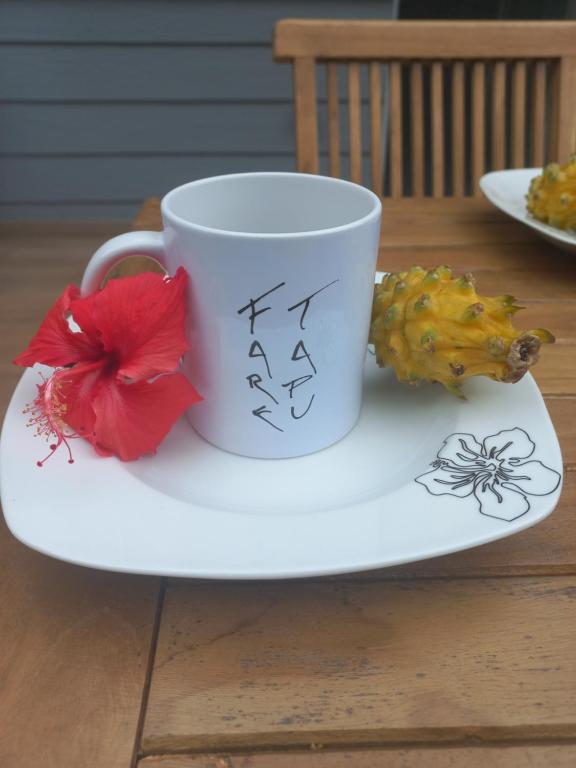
[[458, 129], [478, 132], [563, 134], [355, 122], [417, 128], [518, 113], [498, 142], [445, 101], [396, 154], [437, 128], [539, 75], [306, 117], [333, 92], [376, 160]]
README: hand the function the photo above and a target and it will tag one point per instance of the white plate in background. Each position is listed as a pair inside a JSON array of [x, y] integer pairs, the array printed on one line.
[[507, 191]]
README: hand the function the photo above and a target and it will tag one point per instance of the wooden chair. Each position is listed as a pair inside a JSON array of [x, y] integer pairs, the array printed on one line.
[[471, 96]]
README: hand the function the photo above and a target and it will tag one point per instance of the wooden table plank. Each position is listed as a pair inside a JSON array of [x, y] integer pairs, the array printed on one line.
[[448, 757], [559, 318], [74, 649], [555, 373], [563, 414], [471, 256], [74, 643], [298, 663], [149, 215]]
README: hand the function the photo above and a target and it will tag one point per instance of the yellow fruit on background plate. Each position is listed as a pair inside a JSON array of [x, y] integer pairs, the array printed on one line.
[[552, 195]]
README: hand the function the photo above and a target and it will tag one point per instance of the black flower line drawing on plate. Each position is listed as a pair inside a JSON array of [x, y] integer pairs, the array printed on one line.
[[495, 471]]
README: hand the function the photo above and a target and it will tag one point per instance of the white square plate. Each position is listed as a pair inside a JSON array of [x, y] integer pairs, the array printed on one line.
[[369, 501], [507, 190]]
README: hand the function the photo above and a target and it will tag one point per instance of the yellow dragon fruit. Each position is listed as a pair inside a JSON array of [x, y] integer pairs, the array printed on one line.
[[552, 195], [430, 326]]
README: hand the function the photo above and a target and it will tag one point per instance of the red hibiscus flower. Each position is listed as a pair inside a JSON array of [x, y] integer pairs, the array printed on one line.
[[116, 381]]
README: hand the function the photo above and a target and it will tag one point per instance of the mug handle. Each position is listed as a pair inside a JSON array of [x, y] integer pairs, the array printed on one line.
[[118, 248]]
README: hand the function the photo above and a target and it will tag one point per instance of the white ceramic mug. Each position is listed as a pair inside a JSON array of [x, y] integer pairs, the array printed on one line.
[[281, 270]]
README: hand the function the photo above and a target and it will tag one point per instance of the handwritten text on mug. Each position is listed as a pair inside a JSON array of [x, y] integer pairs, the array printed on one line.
[[256, 381]]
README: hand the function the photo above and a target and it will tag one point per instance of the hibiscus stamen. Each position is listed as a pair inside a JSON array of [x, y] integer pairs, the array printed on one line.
[[47, 413]]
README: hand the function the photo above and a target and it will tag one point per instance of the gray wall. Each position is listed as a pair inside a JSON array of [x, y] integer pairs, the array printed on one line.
[[106, 102]]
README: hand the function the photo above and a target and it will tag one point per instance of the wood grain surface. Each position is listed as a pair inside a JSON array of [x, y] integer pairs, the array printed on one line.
[[437, 127], [455, 757], [373, 39], [74, 647], [305, 112], [333, 97], [301, 663], [396, 152]]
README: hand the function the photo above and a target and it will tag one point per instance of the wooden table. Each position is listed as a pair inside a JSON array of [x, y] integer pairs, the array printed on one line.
[[466, 660]]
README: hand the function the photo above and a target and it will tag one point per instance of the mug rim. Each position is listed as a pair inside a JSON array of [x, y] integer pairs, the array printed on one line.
[[174, 218]]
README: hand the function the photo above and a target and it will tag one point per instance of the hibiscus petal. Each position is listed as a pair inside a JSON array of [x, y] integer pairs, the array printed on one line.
[[500, 502], [82, 310], [440, 482], [141, 321], [533, 478], [509, 444], [77, 388], [460, 448], [54, 343], [133, 419]]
